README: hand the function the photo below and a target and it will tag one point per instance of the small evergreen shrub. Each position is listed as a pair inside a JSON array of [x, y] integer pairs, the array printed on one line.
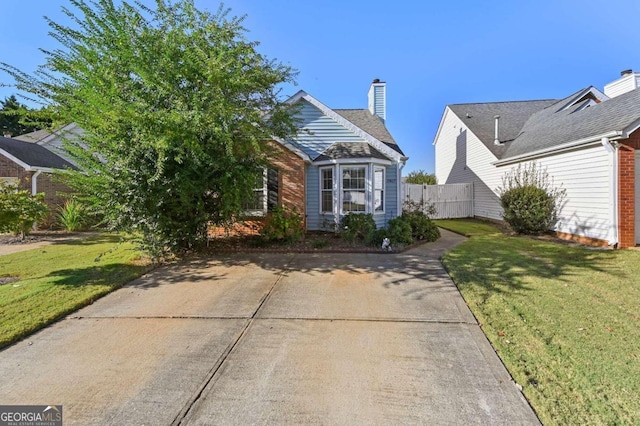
[[422, 228], [19, 210], [376, 237], [283, 224], [530, 200], [356, 226], [399, 232]]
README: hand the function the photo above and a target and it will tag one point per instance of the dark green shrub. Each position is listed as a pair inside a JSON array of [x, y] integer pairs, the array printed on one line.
[[399, 232], [530, 200], [283, 225], [376, 237], [356, 226], [422, 228]]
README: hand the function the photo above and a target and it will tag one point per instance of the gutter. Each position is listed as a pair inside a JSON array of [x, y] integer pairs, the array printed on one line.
[[591, 140]]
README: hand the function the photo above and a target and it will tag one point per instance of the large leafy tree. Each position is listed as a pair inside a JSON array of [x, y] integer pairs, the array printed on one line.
[[420, 177], [175, 104]]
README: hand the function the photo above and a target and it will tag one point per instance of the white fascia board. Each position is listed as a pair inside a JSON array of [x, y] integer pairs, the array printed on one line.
[[632, 127], [377, 144], [444, 117], [293, 149], [365, 160], [45, 169], [16, 160], [591, 140]]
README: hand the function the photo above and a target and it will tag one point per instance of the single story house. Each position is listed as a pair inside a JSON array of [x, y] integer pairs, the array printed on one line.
[[31, 167], [340, 161], [588, 142]]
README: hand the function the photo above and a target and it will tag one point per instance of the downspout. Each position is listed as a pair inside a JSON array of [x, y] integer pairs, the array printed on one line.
[[612, 149], [34, 182], [399, 195]]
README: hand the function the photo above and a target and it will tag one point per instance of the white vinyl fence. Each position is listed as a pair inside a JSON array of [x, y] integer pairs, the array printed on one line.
[[451, 200]]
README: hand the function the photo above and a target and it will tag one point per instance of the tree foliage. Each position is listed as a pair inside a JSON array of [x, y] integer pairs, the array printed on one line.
[[175, 104], [420, 177], [14, 117], [530, 200], [19, 210]]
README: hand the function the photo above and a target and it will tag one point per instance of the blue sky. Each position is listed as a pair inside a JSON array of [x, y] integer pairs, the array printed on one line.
[[430, 53]]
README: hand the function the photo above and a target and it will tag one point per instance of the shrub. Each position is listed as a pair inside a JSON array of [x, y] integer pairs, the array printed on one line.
[[356, 226], [529, 199], [399, 232], [422, 228], [19, 210], [283, 225], [73, 216]]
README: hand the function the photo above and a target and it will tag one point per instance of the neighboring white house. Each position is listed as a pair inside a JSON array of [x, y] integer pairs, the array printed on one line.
[[588, 142]]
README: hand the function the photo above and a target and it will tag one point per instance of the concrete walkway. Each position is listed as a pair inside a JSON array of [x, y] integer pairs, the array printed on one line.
[[273, 339]]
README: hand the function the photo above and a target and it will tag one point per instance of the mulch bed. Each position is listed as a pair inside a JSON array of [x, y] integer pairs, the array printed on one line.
[[313, 242]]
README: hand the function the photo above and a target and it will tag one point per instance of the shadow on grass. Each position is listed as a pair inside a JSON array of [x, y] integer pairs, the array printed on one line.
[[499, 263]]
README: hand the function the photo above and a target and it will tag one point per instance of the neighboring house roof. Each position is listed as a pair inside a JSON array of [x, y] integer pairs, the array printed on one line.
[[549, 127], [31, 156], [36, 136], [343, 150], [479, 119], [527, 128]]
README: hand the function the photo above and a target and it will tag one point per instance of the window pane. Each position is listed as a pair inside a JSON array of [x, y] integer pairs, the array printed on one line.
[[378, 200], [353, 201], [378, 179], [327, 201], [327, 179], [272, 189]]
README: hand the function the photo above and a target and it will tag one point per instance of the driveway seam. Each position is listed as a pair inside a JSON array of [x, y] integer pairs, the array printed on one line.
[[183, 414]]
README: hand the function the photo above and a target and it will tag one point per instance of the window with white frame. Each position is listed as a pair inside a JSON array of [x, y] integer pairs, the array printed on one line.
[[326, 190], [265, 192], [353, 191], [378, 190]]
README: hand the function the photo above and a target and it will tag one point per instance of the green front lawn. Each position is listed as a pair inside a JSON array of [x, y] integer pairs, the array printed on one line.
[[58, 279], [565, 320]]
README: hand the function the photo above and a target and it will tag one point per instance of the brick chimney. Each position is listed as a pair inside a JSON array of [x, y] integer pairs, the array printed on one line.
[[378, 98]]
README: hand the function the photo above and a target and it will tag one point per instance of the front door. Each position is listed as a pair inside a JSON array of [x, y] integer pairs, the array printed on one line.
[[637, 196]]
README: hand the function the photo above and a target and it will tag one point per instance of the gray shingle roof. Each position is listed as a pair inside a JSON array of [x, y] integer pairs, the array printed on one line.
[[36, 136], [342, 150], [33, 154], [529, 126], [549, 127], [371, 124], [479, 119]]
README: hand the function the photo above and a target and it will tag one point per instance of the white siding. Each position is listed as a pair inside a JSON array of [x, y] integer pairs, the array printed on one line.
[[622, 85], [584, 173]]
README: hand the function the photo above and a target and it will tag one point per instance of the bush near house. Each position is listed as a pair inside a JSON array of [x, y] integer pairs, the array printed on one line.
[[19, 210], [283, 224], [529, 199]]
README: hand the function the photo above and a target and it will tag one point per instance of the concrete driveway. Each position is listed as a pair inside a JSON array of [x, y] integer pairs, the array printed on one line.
[[272, 339]]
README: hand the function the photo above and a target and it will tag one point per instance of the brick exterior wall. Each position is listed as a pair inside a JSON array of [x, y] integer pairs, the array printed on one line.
[[46, 182], [626, 190], [291, 191]]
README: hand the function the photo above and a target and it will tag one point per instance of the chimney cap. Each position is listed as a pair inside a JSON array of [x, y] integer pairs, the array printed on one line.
[[626, 72]]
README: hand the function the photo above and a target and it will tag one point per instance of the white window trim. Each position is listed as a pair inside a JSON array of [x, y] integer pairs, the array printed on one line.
[[384, 190], [367, 188], [334, 190], [263, 211]]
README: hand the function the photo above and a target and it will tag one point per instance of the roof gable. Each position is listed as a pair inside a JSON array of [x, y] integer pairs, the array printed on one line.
[[373, 130], [480, 120]]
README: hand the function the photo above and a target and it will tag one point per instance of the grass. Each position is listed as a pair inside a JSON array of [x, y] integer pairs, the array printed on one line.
[[468, 227], [565, 320], [58, 279]]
